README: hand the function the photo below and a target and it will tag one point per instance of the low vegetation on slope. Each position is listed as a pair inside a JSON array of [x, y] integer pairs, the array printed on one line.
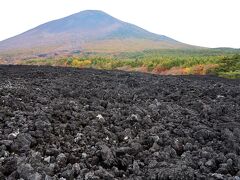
[[165, 62]]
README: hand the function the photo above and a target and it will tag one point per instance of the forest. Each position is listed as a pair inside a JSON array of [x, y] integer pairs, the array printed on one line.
[[221, 62]]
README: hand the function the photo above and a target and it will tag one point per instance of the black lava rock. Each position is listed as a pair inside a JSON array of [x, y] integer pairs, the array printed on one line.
[[86, 124]]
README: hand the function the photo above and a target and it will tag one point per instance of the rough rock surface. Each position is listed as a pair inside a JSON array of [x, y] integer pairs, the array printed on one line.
[[65, 123]]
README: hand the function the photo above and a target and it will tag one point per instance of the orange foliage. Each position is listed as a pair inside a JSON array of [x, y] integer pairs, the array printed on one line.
[[202, 69], [1, 61], [141, 69], [137, 69], [159, 70], [172, 71], [197, 69]]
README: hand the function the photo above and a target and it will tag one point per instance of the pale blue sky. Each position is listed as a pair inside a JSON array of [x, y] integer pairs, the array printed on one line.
[[210, 23]]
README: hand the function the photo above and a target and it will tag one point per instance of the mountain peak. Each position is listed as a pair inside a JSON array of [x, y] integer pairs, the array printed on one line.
[[89, 14], [90, 11], [87, 20]]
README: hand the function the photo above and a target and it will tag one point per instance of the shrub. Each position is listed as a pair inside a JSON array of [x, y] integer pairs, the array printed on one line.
[[231, 74], [75, 63], [69, 61]]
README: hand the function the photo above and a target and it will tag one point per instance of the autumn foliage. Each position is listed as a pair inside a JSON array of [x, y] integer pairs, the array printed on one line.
[[163, 63]]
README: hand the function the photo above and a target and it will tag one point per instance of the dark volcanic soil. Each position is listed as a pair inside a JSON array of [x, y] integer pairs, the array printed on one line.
[[63, 123]]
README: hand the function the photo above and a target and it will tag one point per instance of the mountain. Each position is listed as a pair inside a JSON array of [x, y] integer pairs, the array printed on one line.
[[88, 31]]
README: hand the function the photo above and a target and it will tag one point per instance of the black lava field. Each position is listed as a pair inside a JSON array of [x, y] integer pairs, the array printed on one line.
[[85, 124]]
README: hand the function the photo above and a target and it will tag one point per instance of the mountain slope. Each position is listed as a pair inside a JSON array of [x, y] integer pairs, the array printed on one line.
[[86, 31]]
